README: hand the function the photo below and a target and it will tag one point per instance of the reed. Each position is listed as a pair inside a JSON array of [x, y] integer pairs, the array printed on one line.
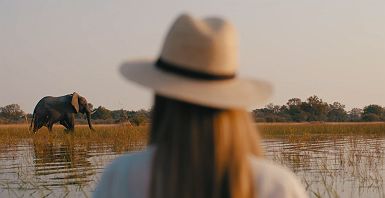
[[321, 128], [60, 164], [117, 134]]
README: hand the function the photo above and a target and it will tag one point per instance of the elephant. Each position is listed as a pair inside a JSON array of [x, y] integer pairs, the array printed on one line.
[[50, 110]]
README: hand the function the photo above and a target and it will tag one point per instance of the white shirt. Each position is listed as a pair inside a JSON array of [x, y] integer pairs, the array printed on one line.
[[130, 175]]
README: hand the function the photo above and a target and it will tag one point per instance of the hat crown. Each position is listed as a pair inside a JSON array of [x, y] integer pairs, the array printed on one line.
[[208, 46]]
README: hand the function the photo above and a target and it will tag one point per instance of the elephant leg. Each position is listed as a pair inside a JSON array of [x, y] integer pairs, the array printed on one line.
[[71, 122], [38, 123], [49, 126], [62, 122], [65, 124], [37, 126]]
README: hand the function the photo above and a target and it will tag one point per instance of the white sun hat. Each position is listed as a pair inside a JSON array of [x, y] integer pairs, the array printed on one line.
[[198, 65]]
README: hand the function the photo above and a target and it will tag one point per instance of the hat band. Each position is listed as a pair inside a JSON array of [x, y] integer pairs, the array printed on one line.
[[173, 68]]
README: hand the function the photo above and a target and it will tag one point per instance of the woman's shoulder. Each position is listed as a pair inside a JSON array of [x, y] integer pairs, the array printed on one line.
[[128, 174], [133, 160], [273, 180]]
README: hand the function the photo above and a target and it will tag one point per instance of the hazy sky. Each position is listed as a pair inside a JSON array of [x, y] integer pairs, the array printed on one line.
[[332, 48]]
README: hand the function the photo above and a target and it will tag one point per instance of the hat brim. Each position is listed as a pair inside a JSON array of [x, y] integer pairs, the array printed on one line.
[[223, 94]]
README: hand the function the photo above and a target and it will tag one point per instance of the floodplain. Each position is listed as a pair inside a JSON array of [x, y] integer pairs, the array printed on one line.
[[331, 159]]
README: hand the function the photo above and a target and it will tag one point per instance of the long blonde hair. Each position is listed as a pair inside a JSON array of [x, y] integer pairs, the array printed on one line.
[[201, 152]]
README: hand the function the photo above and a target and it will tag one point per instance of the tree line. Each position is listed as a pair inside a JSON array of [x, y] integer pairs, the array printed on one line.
[[104, 115], [314, 109], [14, 114]]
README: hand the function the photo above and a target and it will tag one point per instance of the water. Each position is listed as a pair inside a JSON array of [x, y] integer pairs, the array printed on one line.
[[328, 166], [334, 166], [54, 170]]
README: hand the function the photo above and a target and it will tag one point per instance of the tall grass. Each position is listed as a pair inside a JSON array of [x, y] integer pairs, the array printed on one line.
[[321, 128], [105, 134], [59, 163], [332, 159]]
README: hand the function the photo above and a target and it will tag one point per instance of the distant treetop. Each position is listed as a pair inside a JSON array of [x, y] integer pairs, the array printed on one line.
[[315, 109]]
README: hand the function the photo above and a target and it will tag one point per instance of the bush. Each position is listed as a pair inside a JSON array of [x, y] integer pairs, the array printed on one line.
[[371, 117]]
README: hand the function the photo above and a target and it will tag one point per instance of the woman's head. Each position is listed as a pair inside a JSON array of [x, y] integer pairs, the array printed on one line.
[[201, 151], [202, 133]]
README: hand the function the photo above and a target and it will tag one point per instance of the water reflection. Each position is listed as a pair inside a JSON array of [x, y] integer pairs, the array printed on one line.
[[56, 169], [334, 166], [62, 163]]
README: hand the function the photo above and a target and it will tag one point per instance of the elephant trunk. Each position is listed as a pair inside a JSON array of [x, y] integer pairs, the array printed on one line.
[[88, 113]]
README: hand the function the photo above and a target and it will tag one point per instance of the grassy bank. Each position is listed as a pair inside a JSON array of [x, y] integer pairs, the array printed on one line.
[[123, 134], [117, 130], [321, 128], [60, 164], [120, 135]]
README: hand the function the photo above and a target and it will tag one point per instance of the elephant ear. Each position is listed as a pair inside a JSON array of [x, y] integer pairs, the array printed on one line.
[[75, 101]]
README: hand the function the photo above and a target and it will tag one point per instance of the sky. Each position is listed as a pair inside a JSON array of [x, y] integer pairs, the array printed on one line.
[[334, 49]]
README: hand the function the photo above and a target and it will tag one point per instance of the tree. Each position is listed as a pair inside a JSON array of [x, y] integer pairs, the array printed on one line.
[[12, 112], [355, 114], [373, 113], [371, 117], [316, 109], [273, 108], [140, 117], [120, 115], [294, 102], [337, 112], [102, 113], [271, 113], [295, 110]]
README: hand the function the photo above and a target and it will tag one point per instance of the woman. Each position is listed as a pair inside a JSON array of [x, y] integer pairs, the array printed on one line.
[[202, 140]]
